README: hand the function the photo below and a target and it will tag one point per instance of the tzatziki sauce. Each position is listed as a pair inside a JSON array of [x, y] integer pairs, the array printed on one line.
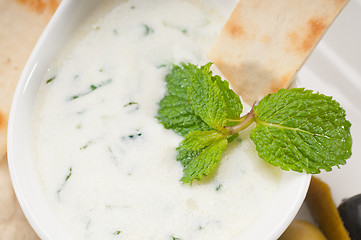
[[107, 166]]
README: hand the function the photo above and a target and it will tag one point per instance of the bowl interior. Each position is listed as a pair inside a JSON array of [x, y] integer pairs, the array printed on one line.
[[26, 182]]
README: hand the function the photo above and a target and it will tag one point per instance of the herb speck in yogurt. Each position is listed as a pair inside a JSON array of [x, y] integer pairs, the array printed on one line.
[[162, 66], [181, 29], [91, 89], [69, 175], [113, 156], [50, 79], [148, 30], [133, 106], [133, 136], [85, 146], [130, 103], [66, 179]]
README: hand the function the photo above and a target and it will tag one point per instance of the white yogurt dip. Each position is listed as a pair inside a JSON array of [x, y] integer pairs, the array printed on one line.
[[107, 166]]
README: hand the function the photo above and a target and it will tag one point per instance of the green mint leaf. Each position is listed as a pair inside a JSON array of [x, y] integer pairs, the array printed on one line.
[[194, 143], [185, 156], [178, 80], [302, 131], [206, 98], [233, 102], [205, 162], [200, 139], [184, 111], [175, 111]]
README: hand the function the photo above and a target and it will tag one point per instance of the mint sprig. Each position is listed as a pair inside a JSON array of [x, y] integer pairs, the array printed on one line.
[[295, 129]]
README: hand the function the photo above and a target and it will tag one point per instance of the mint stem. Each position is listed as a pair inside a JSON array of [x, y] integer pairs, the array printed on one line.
[[248, 120]]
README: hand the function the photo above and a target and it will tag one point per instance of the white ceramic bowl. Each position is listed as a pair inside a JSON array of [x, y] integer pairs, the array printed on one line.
[[26, 182]]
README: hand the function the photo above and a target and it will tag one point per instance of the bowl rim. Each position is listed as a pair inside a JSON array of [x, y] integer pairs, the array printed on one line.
[[46, 48], [32, 199]]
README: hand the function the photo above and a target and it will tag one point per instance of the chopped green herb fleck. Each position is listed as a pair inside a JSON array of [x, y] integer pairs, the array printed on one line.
[[130, 103], [101, 70], [115, 31], [162, 66], [132, 7], [134, 135], [181, 29], [113, 157], [86, 145], [219, 186], [79, 126], [117, 232], [91, 89], [132, 106], [50, 79], [83, 147], [110, 149], [88, 224], [66, 179], [139, 134], [175, 238], [148, 30], [69, 175]]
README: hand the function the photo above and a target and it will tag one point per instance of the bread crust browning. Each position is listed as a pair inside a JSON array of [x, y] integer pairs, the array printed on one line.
[[264, 43], [24, 21]]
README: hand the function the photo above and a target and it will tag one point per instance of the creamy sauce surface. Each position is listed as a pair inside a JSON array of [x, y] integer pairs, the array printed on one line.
[[107, 166]]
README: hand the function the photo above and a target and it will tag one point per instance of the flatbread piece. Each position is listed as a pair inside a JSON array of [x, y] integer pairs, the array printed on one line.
[[264, 43], [22, 22]]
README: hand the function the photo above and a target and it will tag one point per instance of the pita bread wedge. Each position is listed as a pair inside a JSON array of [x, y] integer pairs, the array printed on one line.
[[264, 43], [22, 22], [13, 224]]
